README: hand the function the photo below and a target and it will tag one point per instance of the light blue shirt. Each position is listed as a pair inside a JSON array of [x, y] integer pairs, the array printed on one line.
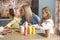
[[35, 20]]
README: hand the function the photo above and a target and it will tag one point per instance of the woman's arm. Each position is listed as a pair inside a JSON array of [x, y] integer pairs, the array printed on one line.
[[37, 18]]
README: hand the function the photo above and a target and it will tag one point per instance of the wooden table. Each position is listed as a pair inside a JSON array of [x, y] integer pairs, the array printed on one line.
[[39, 36]]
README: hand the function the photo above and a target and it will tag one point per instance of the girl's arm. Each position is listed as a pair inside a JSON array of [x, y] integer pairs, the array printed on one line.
[[47, 25], [16, 20], [10, 23], [44, 25]]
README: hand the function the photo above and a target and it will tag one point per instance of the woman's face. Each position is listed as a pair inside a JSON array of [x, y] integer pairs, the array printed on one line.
[[22, 12], [44, 14]]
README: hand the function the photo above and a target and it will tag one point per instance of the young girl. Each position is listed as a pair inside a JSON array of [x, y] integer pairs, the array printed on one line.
[[46, 22], [15, 19]]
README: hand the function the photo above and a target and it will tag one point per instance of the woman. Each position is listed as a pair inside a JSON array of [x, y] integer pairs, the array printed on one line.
[[29, 15], [46, 22], [22, 13]]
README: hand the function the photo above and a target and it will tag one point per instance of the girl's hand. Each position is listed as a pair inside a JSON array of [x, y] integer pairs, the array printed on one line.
[[29, 24], [5, 27], [1, 29]]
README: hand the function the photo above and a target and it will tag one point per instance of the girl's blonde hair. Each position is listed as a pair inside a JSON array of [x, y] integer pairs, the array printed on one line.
[[48, 12]]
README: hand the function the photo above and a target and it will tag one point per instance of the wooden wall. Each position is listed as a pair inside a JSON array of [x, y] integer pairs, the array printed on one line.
[[57, 17]]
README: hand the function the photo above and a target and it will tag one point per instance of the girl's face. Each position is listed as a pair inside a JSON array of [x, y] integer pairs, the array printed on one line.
[[10, 17], [17, 13], [44, 14]]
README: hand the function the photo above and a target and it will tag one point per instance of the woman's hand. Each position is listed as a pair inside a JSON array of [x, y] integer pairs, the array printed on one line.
[[41, 25]]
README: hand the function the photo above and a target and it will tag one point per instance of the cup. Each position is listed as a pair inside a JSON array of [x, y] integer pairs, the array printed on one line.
[[30, 29], [47, 33], [33, 31]]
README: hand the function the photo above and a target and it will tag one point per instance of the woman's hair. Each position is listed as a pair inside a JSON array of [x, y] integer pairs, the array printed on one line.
[[11, 12], [48, 12], [28, 12]]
